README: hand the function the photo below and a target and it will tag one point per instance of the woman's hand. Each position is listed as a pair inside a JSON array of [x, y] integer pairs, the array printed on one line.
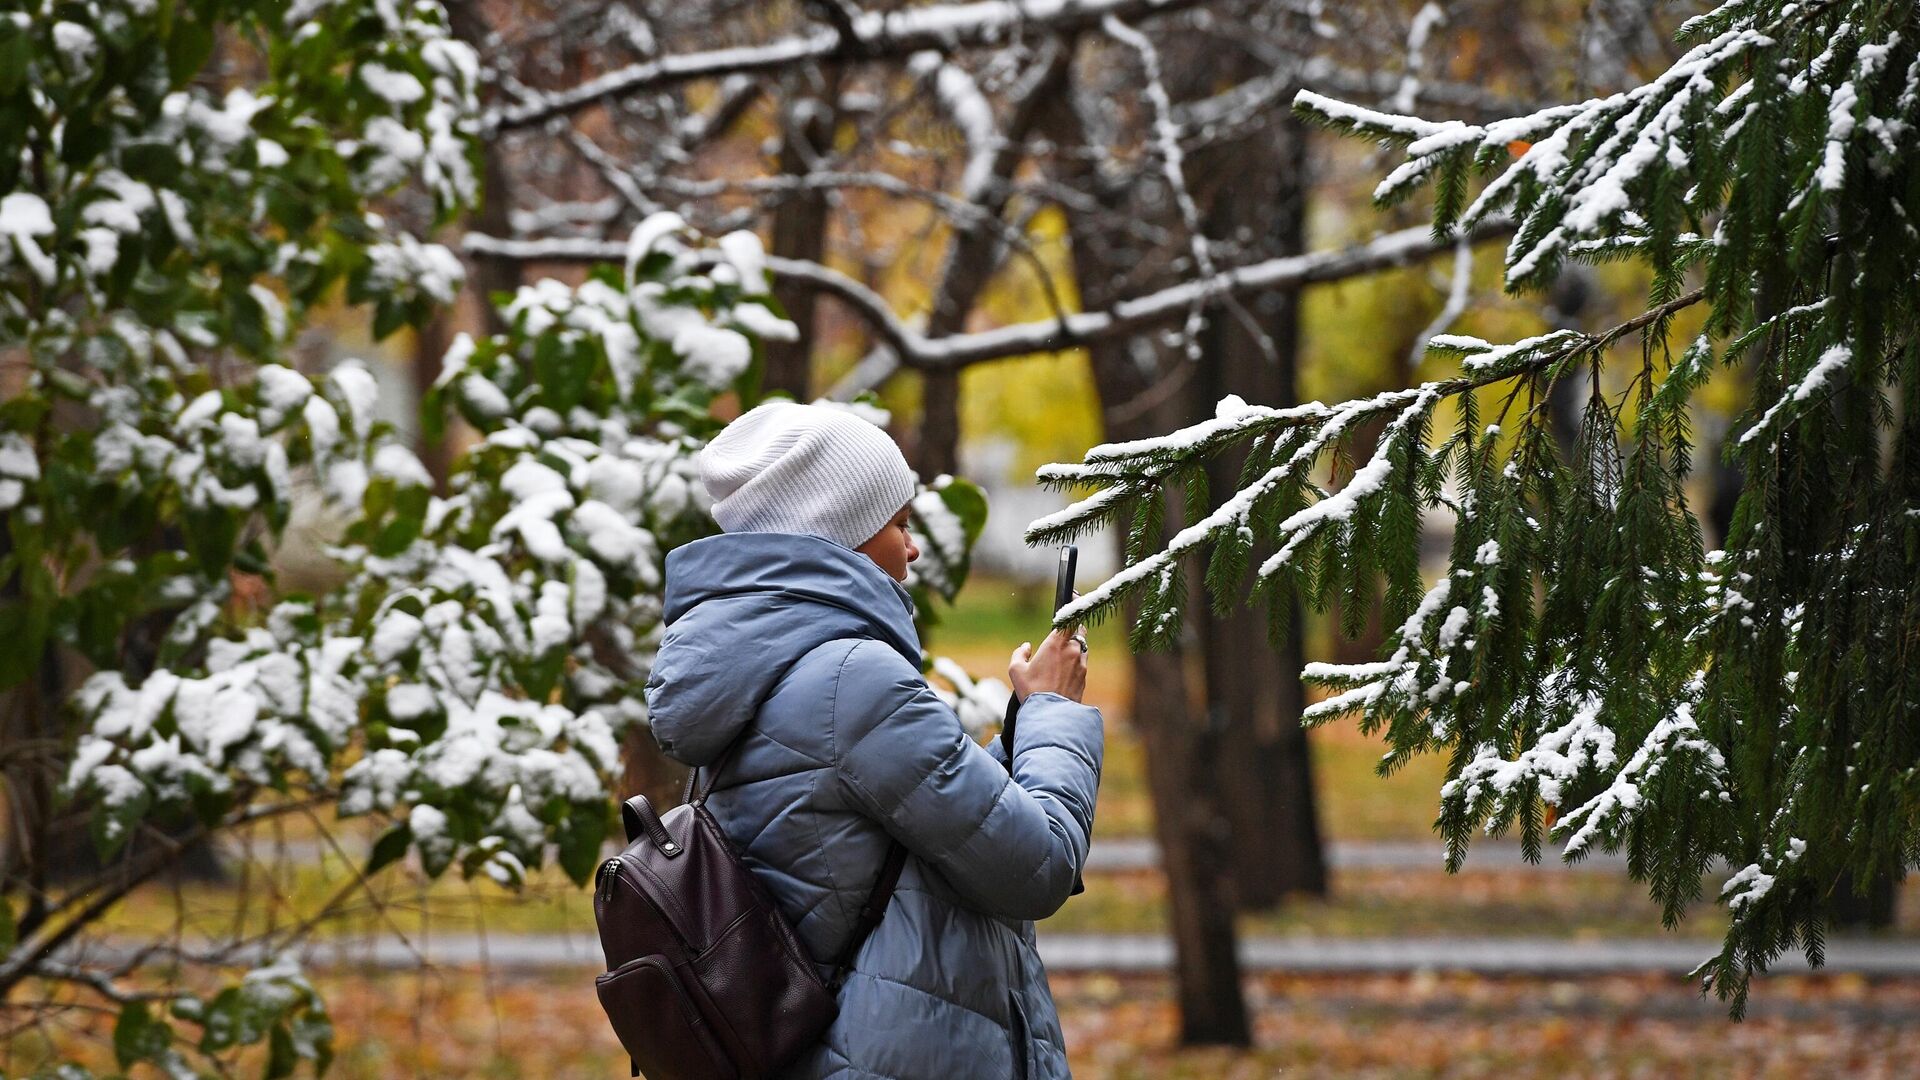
[[1058, 667]]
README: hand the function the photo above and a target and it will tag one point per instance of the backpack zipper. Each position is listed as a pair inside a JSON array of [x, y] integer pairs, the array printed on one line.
[[609, 880]]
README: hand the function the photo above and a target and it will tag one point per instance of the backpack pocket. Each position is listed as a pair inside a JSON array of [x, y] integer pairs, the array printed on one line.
[[657, 1023], [776, 1006]]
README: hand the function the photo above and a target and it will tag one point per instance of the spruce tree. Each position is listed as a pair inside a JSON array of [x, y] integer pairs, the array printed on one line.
[[1594, 675]]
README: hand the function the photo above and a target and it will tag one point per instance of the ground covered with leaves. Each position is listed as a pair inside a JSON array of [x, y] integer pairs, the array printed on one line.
[[461, 1024]]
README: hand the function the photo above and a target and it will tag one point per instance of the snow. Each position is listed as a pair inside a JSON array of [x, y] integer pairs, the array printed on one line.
[[589, 598], [1367, 480], [397, 148], [610, 536], [358, 391], [454, 363], [763, 324], [1371, 121], [279, 392], [17, 457], [713, 355], [1479, 355], [1555, 760], [410, 701], [232, 123], [406, 263], [1235, 510], [960, 98], [179, 221], [76, 45], [1430, 16], [1832, 360], [487, 401], [393, 635], [1748, 885], [551, 624], [399, 464], [397, 88], [648, 235], [980, 704], [23, 217], [1672, 735], [272, 311], [748, 258]]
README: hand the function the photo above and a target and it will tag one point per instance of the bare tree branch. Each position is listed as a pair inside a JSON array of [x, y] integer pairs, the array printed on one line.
[[894, 34], [1125, 318]]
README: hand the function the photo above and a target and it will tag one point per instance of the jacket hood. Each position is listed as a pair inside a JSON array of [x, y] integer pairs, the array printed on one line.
[[740, 609]]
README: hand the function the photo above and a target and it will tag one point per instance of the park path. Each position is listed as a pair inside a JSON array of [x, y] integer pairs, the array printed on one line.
[[1122, 854], [1139, 853], [1071, 952]]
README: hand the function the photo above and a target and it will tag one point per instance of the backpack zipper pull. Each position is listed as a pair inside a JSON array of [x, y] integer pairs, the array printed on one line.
[[607, 872]]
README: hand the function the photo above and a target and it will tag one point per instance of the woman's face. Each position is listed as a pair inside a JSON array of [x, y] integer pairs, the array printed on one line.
[[891, 548]]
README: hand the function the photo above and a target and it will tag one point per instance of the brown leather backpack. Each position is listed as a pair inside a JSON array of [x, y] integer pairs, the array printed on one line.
[[706, 980]]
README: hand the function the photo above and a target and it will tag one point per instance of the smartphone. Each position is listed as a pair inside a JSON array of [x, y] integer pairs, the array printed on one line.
[[1063, 582], [1062, 595]]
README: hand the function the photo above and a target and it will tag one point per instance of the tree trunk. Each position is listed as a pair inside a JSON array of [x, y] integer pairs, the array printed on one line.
[[800, 226], [1254, 693], [1194, 839], [1189, 824]]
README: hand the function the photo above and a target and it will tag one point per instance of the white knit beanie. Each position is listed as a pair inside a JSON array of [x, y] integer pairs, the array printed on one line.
[[812, 469]]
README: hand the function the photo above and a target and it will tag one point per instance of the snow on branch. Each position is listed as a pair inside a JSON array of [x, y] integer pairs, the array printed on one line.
[[889, 35], [963, 103], [1597, 158], [1124, 319]]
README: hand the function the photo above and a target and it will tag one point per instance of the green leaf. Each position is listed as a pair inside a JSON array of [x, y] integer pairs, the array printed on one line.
[[23, 625], [113, 825], [9, 930], [138, 1035], [282, 1058], [388, 316], [188, 50], [16, 57], [580, 841], [82, 140], [968, 503], [390, 848], [312, 1033]]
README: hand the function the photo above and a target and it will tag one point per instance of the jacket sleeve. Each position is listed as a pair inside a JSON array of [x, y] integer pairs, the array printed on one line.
[[1014, 845]]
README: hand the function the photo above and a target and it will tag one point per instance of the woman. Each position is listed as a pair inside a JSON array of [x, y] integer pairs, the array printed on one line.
[[790, 666]]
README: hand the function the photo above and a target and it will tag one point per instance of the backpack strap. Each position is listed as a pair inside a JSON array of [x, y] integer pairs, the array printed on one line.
[[872, 911]]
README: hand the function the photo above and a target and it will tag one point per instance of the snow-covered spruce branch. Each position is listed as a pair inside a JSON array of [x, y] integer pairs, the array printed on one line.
[[1574, 172], [1139, 465], [890, 35], [1582, 653], [1124, 319]]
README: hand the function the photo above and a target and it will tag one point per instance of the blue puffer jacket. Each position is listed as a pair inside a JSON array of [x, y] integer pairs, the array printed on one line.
[[809, 649]]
